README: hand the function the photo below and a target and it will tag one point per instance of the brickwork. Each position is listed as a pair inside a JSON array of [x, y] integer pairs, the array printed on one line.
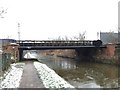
[[110, 50], [12, 49], [108, 55]]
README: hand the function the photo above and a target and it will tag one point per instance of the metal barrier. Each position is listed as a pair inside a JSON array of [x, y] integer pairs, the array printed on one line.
[[0, 64], [55, 43], [5, 61]]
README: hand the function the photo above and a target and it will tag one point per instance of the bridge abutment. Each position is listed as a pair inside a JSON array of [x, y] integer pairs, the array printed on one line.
[[109, 51], [86, 54], [106, 54], [20, 55]]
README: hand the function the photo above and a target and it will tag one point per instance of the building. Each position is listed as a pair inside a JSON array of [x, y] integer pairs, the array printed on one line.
[[9, 46], [109, 37], [8, 52]]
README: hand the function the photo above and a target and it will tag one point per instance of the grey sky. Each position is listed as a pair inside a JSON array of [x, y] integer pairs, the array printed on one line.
[[40, 19]]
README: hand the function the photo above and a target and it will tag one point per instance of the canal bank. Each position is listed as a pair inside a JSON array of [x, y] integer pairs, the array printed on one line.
[[83, 74], [50, 78], [108, 55], [66, 53]]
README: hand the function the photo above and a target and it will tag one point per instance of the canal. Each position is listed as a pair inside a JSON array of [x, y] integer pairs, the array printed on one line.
[[83, 74]]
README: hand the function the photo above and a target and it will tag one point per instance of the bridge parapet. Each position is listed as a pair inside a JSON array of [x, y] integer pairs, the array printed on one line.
[[59, 43]]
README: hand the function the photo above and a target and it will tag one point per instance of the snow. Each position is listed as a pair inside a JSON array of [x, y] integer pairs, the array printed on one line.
[[12, 77], [29, 55], [50, 78]]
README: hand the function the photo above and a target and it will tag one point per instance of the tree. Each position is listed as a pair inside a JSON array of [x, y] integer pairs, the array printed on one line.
[[81, 36], [2, 12]]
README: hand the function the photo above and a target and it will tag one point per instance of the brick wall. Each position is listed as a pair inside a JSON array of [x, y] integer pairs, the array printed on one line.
[[12, 49], [110, 50]]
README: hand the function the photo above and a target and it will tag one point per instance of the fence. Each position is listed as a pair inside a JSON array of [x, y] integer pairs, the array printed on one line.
[[5, 61], [5, 56]]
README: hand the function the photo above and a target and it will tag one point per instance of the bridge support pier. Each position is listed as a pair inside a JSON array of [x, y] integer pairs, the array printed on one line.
[[86, 54], [105, 54], [108, 55], [20, 54], [110, 50]]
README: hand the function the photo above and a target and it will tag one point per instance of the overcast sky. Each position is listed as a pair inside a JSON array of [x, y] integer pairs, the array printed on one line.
[[43, 19]]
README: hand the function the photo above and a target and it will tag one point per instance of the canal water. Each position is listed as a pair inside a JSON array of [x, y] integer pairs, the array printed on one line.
[[83, 74]]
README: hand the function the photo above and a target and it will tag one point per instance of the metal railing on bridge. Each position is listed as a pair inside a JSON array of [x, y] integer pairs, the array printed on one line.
[[55, 43]]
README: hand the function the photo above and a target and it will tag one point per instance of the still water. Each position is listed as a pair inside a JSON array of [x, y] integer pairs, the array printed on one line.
[[83, 74]]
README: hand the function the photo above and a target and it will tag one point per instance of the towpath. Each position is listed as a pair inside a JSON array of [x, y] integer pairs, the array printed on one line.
[[30, 77]]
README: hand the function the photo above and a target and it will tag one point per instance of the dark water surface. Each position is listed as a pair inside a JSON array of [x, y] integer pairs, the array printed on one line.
[[83, 74]]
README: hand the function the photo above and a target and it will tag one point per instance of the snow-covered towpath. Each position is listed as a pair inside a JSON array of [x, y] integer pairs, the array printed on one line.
[[25, 75], [12, 77], [30, 78]]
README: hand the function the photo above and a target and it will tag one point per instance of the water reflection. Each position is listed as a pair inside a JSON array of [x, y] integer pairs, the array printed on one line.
[[83, 74], [58, 63]]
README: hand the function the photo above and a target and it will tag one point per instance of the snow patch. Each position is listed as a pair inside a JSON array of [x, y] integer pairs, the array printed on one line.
[[13, 77], [50, 78], [29, 55]]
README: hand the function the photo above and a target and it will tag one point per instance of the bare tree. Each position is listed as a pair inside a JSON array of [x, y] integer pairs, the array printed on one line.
[[2, 12], [81, 36], [59, 38], [66, 38]]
